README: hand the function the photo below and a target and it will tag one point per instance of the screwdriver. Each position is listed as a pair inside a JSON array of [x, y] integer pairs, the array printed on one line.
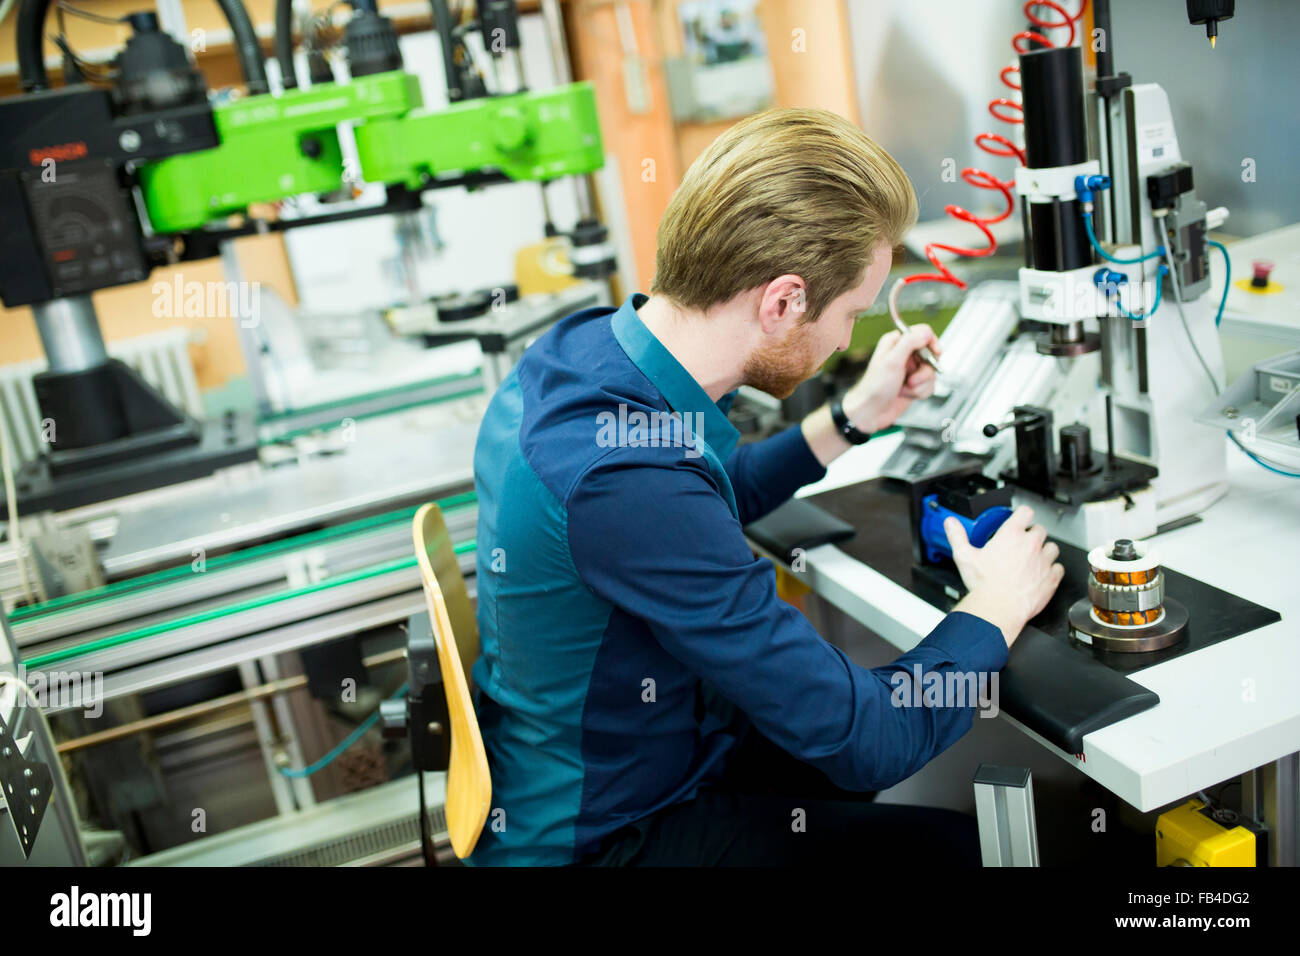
[[927, 356]]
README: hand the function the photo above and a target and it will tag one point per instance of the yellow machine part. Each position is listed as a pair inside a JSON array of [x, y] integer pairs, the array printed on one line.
[[1186, 837], [1271, 289], [544, 267]]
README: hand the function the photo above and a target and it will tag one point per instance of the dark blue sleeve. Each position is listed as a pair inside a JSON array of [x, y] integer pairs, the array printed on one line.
[[660, 543], [764, 474]]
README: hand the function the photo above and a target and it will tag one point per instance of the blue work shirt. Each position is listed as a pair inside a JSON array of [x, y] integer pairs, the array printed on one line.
[[615, 584]]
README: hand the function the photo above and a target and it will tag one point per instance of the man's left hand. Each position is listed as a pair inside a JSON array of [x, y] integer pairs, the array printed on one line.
[[895, 376]]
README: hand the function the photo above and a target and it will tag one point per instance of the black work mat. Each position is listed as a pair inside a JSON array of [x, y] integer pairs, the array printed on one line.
[[1054, 684]]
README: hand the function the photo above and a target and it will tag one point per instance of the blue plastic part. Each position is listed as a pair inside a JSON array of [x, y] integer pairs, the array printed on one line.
[[1084, 186], [1109, 281], [1104, 277], [978, 530]]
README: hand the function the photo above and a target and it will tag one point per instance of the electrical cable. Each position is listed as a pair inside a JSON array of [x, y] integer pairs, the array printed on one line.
[[442, 23], [248, 48], [341, 746], [31, 56], [93, 71], [1161, 272], [1227, 278], [994, 144], [86, 14], [1178, 297], [1113, 289], [1182, 316], [284, 44], [1263, 463], [1092, 238], [7, 678]]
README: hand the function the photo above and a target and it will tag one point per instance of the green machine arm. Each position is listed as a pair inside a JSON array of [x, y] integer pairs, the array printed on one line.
[[278, 146], [533, 135]]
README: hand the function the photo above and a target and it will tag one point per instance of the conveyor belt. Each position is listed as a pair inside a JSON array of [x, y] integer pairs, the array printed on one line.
[[145, 625]]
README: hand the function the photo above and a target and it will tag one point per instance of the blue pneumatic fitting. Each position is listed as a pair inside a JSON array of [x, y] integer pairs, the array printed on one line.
[[978, 530], [1084, 185], [1109, 280]]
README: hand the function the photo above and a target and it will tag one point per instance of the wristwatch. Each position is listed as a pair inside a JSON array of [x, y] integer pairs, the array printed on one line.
[[851, 433]]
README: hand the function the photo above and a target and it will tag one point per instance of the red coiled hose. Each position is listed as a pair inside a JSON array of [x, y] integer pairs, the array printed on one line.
[[1008, 111]]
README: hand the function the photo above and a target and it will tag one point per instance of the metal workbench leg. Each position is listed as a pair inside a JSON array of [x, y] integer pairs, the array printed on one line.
[[281, 787], [1004, 806], [1271, 795]]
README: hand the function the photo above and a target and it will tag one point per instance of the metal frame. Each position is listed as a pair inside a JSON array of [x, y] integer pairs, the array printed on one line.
[[1271, 795], [1004, 807], [33, 780]]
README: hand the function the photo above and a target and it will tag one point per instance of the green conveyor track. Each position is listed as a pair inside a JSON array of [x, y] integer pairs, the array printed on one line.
[[84, 600]]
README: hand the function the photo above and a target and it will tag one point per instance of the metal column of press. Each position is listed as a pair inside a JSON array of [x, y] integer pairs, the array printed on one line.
[[69, 331], [1004, 807]]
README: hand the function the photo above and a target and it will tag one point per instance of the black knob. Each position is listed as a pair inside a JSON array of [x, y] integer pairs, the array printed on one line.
[[144, 21], [1124, 550], [310, 147]]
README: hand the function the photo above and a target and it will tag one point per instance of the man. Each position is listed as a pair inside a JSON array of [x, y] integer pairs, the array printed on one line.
[[644, 696]]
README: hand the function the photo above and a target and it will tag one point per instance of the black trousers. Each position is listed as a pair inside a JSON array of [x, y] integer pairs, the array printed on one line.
[[771, 809]]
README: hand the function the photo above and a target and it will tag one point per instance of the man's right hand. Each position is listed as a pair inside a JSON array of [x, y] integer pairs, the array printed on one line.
[[1012, 577]]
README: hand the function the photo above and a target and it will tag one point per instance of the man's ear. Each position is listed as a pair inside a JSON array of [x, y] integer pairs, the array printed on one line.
[[782, 304]]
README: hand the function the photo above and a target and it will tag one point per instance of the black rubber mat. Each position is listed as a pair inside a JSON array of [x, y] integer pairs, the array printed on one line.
[[1054, 684]]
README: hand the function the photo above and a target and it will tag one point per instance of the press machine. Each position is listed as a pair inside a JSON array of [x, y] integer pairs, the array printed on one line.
[[100, 185], [1079, 385]]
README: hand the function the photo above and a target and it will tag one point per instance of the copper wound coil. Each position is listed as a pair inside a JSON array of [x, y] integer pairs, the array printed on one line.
[[1127, 618], [1127, 609], [1124, 577]]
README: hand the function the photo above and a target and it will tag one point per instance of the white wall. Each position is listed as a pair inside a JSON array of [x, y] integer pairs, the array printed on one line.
[[925, 72], [1238, 101]]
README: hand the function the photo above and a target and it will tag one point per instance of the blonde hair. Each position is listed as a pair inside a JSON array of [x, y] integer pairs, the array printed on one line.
[[795, 191]]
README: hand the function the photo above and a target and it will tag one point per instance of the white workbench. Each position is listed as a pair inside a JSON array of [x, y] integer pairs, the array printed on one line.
[[1224, 710]]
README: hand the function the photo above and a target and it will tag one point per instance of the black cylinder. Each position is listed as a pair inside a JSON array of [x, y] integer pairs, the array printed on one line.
[[1056, 133], [371, 43], [1076, 449], [1058, 237], [500, 15], [1035, 461], [154, 71]]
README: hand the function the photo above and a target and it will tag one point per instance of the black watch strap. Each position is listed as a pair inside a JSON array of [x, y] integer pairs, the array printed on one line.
[[846, 428]]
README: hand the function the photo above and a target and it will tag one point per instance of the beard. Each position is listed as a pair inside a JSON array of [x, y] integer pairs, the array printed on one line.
[[780, 367]]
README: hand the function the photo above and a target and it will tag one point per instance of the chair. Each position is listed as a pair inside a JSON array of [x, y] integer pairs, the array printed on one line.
[[469, 782]]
